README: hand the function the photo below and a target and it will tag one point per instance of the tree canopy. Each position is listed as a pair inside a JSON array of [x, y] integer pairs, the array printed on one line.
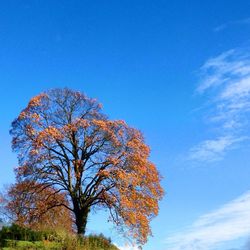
[[66, 143]]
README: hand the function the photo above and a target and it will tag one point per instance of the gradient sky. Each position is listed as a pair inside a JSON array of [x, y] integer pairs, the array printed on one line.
[[177, 70]]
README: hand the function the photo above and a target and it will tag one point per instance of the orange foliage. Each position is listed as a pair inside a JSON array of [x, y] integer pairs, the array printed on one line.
[[38, 207], [63, 139]]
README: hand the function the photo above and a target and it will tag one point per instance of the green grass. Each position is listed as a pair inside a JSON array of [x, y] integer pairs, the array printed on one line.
[[29, 245], [89, 243], [15, 237]]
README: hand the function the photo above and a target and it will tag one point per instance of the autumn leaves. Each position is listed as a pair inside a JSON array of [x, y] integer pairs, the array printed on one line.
[[67, 144]]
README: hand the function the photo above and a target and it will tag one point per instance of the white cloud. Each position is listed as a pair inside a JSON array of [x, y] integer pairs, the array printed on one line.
[[230, 222], [239, 89], [128, 247], [229, 66], [213, 150], [226, 82]]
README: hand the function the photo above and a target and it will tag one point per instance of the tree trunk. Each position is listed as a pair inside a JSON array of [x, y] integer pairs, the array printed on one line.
[[81, 221]]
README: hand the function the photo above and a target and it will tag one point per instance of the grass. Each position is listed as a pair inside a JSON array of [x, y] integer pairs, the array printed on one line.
[[36, 245], [92, 242], [15, 237]]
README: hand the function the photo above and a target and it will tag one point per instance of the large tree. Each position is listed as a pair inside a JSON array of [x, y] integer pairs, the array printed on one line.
[[63, 140]]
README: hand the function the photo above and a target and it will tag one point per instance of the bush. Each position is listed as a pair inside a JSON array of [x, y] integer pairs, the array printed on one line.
[[15, 232]]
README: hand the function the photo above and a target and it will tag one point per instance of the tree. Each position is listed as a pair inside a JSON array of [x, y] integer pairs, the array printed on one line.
[[63, 140], [33, 205]]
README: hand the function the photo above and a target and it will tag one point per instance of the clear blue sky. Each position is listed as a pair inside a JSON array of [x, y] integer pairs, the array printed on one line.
[[177, 70]]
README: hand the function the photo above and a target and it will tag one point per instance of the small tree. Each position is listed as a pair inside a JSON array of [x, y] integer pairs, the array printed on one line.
[[36, 206], [64, 141]]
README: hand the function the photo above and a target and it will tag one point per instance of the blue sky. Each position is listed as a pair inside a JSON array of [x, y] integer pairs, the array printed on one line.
[[177, 70]]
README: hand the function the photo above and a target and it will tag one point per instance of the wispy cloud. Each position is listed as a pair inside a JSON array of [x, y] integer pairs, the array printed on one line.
[[231, 65], [226, 84], [228, 223], [245, 21], [213, 150]]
